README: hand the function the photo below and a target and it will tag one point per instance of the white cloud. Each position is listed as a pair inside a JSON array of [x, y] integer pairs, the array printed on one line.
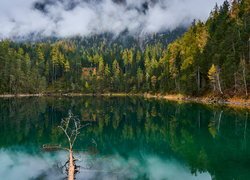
[[20, 18]]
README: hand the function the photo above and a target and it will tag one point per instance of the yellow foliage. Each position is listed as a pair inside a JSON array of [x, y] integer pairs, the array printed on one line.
[[212, 72]]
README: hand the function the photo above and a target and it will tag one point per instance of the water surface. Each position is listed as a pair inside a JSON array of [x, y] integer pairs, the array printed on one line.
[[129, 138]]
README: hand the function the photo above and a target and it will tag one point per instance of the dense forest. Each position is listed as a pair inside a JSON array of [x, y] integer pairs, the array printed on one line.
[[210, 57]]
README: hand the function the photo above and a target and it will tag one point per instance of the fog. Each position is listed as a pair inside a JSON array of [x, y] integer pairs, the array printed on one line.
[[65, 18]]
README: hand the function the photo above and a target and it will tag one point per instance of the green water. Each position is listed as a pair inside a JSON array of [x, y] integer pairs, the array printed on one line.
[[129, 138]]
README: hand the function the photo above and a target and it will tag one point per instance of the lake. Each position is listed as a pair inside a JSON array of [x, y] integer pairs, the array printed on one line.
[[128, 138]]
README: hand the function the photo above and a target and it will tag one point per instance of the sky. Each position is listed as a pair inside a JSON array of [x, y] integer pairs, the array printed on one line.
[[66, 18]]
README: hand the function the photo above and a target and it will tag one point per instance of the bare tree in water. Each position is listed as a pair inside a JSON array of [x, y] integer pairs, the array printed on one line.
[[71, 127]]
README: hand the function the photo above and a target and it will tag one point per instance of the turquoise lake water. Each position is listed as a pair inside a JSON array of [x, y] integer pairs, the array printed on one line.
[[129, 138]]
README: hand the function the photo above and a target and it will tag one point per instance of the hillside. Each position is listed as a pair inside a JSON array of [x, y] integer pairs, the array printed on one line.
[[211, 57]]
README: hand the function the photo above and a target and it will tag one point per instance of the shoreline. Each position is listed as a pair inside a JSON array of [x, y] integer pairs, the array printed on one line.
[[230, 102]]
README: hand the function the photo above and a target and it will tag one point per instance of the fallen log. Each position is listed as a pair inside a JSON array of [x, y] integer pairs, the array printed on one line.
[[51, 147]]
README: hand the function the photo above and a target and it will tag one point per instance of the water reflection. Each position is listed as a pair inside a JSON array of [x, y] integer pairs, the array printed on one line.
[[133, 139], [22, 165], [44, 166]]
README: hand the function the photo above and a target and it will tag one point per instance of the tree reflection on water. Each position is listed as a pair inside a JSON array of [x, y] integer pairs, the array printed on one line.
[[134, 138]]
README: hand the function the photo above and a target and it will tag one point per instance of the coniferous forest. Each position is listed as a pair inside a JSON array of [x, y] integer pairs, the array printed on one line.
[[208, 57], [124, 89]]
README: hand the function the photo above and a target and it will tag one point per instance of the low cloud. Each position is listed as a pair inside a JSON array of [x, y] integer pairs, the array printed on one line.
[[65, 18]]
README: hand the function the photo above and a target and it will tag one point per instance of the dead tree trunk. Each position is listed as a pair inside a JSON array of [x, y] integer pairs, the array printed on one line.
[[218, 82], [235, 83], [244, 79], [198, 79], [71, 127], [243, 67], [72, 166]]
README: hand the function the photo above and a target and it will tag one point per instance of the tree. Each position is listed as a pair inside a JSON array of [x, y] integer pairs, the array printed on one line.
[[214, 77], [125, 57], [139, 75], [243, 67], [116, 73], [54, 60], [71, 127], [175, 63], [138, 56], [101, 67], [153, 81], [107, 74]]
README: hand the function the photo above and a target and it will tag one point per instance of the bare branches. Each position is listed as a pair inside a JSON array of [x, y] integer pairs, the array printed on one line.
[[77, 131], [71, 127], [66, 133]]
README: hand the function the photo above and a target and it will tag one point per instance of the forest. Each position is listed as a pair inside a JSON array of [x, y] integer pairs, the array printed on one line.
[[211, 57]]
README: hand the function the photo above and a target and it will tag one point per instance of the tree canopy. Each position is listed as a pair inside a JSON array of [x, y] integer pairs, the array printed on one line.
[[211, 56]]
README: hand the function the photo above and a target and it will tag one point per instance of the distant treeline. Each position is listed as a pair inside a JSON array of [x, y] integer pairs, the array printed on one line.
[[211, 57]]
